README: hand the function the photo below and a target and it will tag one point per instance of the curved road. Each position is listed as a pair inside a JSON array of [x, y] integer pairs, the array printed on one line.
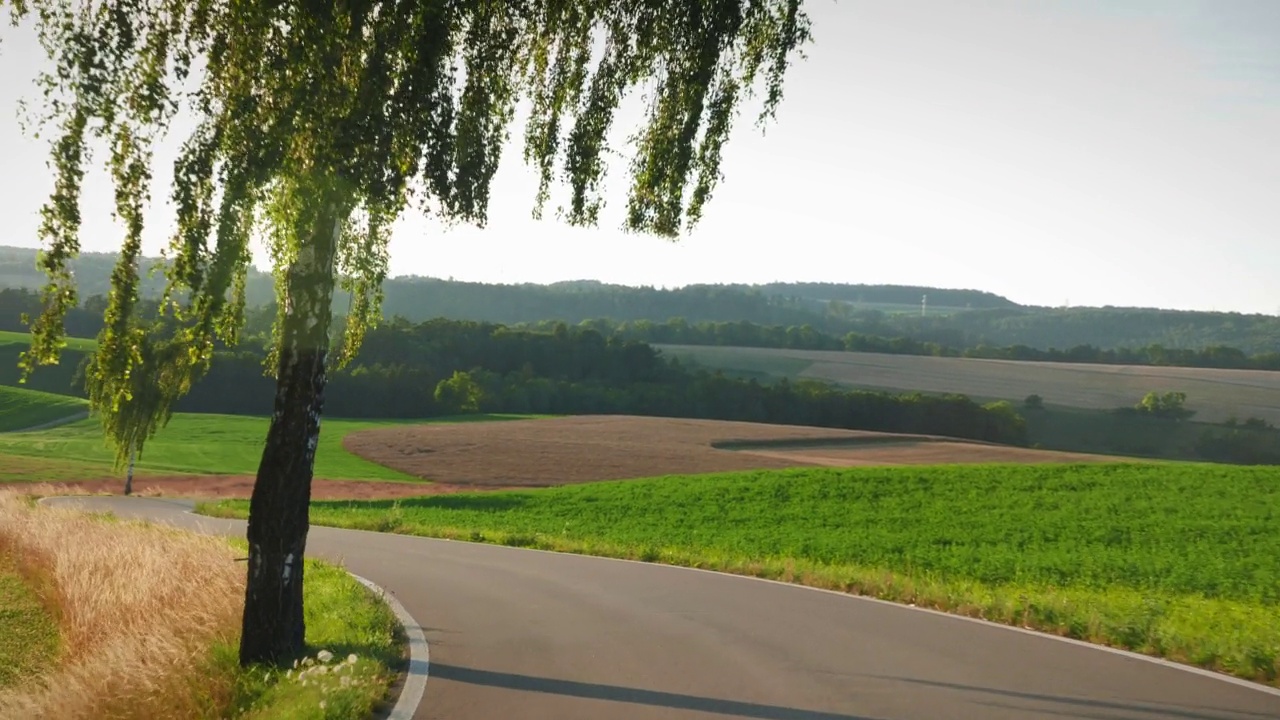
[[529, 635]]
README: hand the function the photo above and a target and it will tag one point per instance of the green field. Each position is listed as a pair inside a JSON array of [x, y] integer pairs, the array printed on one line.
[[21, 408], [199, 444], [1176, 560], [8, 337]]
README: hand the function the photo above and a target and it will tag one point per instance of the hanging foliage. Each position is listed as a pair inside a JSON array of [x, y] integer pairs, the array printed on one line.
[[360, 110]]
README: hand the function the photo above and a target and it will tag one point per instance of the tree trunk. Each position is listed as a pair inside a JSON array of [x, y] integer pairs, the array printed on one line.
[[128, 478], [273, 630]]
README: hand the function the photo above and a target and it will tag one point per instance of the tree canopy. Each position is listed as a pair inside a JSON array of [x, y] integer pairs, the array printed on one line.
[[352, 112]]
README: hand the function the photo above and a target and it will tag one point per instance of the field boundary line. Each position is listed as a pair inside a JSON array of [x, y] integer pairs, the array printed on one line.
[[53, 423]]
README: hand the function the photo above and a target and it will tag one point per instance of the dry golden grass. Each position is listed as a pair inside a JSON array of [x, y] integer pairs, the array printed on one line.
[[138, 605]]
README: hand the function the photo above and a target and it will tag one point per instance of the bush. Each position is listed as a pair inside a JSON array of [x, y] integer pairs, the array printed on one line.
[[1170, 405]]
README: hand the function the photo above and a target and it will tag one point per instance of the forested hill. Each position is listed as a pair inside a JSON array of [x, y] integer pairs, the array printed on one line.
[[956, 318], [422, 298]]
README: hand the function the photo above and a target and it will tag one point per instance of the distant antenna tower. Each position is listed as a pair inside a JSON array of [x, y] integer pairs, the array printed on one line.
[[924, 304]]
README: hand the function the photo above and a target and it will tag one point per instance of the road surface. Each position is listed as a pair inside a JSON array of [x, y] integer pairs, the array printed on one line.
[[529, 635]]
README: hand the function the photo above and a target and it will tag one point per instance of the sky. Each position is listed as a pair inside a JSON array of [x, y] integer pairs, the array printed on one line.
[[1083, 152]]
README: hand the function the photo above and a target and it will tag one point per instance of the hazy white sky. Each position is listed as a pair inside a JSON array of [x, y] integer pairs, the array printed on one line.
[[1122, 152]]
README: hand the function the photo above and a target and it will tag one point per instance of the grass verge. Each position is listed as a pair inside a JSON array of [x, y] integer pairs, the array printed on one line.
[[160, 640], [29, 641], [1172, 560], [356, 648]]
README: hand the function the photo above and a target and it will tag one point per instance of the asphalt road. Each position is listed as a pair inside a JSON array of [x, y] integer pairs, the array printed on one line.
[[528, 635]]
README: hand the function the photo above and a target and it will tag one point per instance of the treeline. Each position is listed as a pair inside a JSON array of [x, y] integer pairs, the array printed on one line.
[[1106, 328], [446, 367], [679, 331], [955, 318], [422, 298], [86, 321]]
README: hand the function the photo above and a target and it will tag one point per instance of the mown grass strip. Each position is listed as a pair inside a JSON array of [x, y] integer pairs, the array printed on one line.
[[29, 635], [25, 469], [1173, 560]]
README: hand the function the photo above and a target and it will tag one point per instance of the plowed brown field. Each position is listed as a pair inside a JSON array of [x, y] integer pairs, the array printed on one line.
[[559, 451]]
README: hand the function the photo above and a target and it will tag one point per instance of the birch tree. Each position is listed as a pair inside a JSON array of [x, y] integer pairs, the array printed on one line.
[[315, 125]]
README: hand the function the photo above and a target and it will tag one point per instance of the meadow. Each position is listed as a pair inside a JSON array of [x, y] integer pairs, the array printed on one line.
[[21, 408], [8, 337], [1175, 560], [192, 443]]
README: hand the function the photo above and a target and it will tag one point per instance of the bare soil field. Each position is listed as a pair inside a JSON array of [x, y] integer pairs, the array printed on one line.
[[559, 451], [1214, 394]]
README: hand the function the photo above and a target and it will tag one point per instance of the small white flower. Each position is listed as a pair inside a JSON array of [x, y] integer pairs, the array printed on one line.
[[351, 658], [346, 681], [321, 704], [324, 656]]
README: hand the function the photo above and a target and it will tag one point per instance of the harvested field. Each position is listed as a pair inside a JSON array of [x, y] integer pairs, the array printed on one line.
[[562, 451], [1214, 394]]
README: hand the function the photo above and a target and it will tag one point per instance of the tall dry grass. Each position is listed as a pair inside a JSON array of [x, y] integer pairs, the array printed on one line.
[[139, 607]]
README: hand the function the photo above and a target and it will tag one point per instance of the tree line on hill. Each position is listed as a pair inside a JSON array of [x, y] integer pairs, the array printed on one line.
[[957, 318], [678, 331], [445, 367], [86, 321]]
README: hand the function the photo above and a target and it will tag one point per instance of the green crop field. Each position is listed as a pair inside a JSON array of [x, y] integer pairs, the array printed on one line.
[[21, 408], [1176, 560], [1214, 394]]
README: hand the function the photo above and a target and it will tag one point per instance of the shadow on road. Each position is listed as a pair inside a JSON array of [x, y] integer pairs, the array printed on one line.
[[1126, 711], [618, 693]]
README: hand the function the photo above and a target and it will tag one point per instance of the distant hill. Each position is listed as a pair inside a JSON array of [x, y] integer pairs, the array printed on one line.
[[955, 317]]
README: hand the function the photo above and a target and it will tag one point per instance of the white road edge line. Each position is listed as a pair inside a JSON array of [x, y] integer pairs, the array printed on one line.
[[415, 682]]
